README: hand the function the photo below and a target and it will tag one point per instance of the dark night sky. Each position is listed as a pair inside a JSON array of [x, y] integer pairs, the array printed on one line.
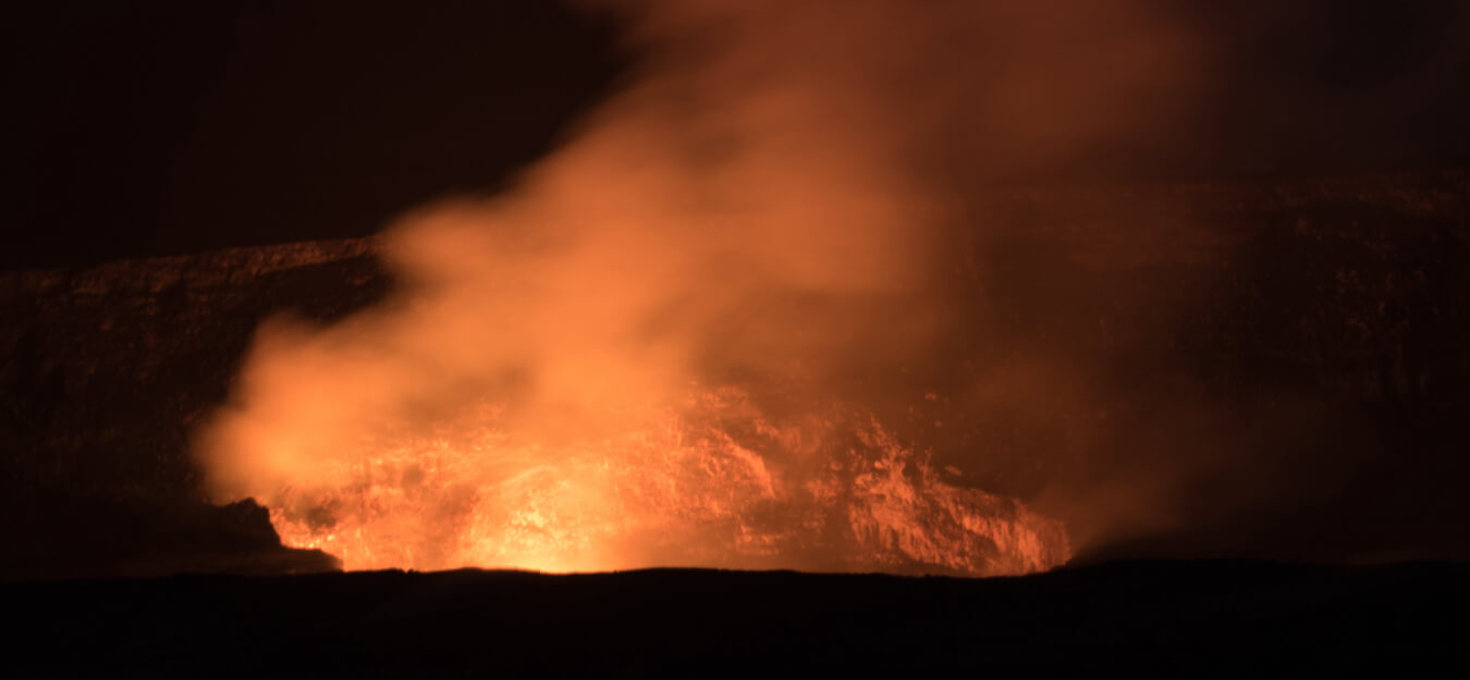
[[163, 126]]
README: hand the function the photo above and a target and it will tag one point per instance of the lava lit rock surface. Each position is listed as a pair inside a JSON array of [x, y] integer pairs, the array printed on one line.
[[1344, 294]]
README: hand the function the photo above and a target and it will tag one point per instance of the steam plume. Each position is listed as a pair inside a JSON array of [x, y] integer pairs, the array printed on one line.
[[767, 204]]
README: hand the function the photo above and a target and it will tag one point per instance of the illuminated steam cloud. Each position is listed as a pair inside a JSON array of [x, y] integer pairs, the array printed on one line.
[[631, 359]]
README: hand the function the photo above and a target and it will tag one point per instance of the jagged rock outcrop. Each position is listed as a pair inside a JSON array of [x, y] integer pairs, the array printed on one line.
[[104, 373]]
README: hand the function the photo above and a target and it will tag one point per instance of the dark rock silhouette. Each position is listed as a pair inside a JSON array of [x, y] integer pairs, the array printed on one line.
[[1195, 619]]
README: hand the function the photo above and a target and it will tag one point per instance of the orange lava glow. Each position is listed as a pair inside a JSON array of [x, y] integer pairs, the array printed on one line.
[[575, 373], [723, 487]]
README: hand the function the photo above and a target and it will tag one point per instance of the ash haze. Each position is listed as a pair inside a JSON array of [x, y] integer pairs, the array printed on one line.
[[692, 333]]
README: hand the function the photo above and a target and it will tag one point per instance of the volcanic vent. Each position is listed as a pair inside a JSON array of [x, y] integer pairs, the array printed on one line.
[[715, 483], [580, 374]]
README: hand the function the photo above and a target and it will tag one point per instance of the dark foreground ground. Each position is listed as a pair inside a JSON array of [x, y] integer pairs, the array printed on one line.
[[1222, 618]]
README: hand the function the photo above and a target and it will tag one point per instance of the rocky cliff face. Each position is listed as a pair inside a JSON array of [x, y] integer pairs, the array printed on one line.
[[1345, 299], [107, 370]]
